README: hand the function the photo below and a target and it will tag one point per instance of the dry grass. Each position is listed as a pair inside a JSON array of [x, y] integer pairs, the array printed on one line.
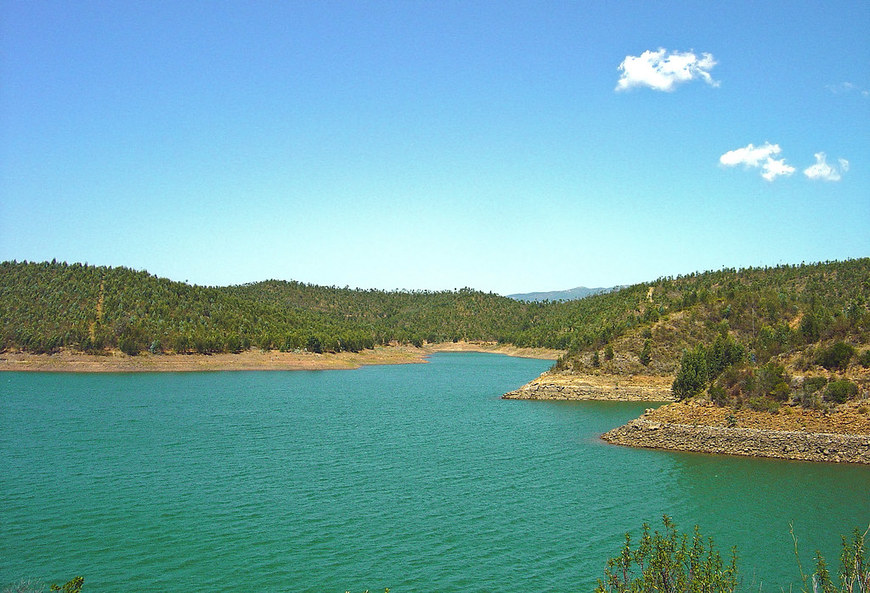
[[842, 419]]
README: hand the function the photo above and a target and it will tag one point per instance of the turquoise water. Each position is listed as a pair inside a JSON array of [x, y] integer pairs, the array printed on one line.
[[415, 477]]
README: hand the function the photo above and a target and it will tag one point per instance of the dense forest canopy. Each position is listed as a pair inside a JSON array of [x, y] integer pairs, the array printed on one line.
[[50, 305]]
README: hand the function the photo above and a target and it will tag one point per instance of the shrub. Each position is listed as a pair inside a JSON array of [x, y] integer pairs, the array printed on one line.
[[72, 586], [763, 404], [780, 392], [737, 380], [667, 562], [836, 356], [724, 353], [864, 358], [808, 395], [646, 353], [129, 345], [770, 376], [854, 574], [813, 384], [692, 375], [840, 391], [718, 395]]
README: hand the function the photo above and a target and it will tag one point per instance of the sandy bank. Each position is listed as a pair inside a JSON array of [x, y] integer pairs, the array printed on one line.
[[841, 436], [250, 360], [571, 386]]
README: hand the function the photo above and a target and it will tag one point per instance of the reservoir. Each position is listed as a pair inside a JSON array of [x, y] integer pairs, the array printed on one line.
[[414, 477]]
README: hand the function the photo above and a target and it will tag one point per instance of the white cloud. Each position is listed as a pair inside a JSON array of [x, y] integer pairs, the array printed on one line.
[[663, 71], [755, 157], [822, 170], [773, 168], [752, 156], [847, 87]]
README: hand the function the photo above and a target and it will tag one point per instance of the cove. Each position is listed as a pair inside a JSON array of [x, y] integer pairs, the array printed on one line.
[[413, 477]]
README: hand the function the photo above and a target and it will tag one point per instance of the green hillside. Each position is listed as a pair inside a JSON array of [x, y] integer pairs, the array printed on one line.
[[755, 337], [46, 306], [770, 311]]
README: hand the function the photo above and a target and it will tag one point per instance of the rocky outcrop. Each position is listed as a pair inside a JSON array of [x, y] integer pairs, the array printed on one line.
[[807, 446], [569, 386]]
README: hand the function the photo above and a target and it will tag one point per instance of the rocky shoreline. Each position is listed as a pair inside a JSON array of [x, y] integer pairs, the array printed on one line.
[[840, 435], [798, 445], [564, 386]]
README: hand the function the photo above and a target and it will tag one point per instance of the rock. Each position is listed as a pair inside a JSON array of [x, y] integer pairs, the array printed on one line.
[[807, 446]]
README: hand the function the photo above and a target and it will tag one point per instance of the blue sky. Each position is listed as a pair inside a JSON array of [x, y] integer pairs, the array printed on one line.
[[505, 146]]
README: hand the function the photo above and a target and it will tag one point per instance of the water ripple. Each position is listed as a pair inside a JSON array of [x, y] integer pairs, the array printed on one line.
[[418, 478]]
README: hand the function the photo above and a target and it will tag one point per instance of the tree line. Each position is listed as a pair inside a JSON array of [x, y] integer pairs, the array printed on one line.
[[51, 305]]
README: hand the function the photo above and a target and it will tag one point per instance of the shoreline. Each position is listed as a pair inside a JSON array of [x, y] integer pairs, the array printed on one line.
[[250, 360], [841, 436], [746, 442], [601, 387]]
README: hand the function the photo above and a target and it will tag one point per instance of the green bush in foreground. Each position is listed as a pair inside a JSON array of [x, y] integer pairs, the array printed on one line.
[[72, 586], [668, 563], [854, 575]]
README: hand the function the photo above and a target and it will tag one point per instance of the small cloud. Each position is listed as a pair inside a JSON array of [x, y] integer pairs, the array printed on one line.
[[822, 170], [751, 156], [773, 168], [847, 87], [663, 71]]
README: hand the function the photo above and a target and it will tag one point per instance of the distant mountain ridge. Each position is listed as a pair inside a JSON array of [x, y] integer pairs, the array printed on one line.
[[572, 294]]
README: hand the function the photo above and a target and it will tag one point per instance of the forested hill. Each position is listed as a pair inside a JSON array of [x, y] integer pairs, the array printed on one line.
[[46, 306], [789, 312]]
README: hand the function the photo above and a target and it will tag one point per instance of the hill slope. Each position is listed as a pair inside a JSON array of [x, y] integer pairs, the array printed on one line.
[[46, 306], [770, 311]]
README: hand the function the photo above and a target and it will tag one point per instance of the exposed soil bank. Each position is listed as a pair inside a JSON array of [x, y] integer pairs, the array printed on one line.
[[570, 386], [806, 446], [250, 360]]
